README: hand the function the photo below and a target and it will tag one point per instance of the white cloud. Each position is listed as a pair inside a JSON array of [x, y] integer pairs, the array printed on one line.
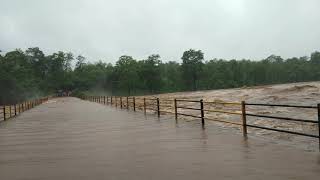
[[107, 29]]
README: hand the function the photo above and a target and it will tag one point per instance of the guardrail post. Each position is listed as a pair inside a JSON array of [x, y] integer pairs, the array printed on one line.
[[202, 112], [15, 109], [4, 113], [319, 123], [22, 106], [134, 103], [104, 99], [158, 107], [10, 111], [175, 109], [144, 106], [244, 118], [115, 98], [111, 100], [121, 102], [107, 100], [127, 102]]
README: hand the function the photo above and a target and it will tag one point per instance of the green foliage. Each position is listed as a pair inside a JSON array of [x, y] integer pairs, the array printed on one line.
[[126, 74], [30, 73], [149, 72], [191, 68]]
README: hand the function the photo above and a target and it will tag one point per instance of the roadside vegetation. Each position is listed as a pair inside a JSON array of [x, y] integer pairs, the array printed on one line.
[[31, 73]]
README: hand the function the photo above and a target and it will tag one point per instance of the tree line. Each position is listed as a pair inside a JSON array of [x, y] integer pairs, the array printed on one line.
[[31, 73]]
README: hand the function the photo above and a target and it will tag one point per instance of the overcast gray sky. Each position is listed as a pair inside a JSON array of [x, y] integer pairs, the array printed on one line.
[[107, 29]]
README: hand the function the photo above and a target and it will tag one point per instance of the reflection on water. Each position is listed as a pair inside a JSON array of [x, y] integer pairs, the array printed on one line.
[[83, 140]]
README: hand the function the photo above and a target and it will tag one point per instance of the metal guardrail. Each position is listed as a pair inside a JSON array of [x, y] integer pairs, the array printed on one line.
[[284, 118], [153, 104], [281, 105], [12, 110]]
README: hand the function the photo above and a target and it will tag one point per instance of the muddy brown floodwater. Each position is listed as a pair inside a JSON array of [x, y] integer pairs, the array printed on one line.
[[305, 93], [68, 138]]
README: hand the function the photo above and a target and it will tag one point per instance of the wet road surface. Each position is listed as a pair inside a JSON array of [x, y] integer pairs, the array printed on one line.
[[68, 138]]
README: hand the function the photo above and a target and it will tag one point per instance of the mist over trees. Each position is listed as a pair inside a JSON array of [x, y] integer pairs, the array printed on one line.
[[31, 73]]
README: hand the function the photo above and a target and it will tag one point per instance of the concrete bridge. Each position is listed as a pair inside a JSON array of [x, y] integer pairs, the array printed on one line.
[[68, 138]]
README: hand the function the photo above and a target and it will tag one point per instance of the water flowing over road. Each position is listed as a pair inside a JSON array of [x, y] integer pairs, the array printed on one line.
[[67, 138]]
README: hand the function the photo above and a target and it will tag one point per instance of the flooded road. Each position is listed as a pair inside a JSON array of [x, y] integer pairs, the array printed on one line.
[[68, 138]]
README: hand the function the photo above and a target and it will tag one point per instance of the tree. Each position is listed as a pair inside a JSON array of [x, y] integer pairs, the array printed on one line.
[[126, 73], [149, 72], [80, 62], [60, 71], [30, 73], [315, 57], [191, 67], [170, 73]]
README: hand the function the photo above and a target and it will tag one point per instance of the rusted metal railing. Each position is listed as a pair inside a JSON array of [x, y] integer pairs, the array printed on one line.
[[200, 109], [11, 110]]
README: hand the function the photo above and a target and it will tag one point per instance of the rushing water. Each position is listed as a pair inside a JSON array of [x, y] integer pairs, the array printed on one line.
[[67, 138]]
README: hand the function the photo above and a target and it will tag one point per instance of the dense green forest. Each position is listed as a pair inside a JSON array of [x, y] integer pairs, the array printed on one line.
[[31, 73]]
